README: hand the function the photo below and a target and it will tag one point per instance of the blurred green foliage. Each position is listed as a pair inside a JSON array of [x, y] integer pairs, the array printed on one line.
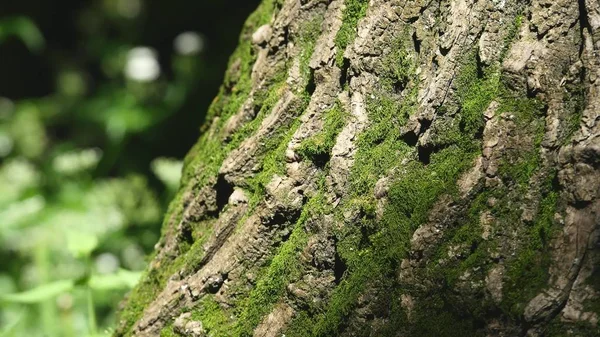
[[99, 101]]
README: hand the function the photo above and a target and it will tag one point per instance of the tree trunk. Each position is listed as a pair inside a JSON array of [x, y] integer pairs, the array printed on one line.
[[391, 168]]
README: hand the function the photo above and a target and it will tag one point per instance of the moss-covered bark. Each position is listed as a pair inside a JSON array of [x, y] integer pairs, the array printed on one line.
[[390, 168]]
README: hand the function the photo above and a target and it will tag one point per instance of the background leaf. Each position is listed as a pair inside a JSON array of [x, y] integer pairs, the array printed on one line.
[[123, 279], [81, 244], [23, 28], [39, 294]]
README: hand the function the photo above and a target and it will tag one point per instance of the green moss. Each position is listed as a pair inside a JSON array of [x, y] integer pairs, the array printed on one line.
[[475, 250], [439, 317], [204, 159], [321, 144], [284, 267], [215, 320], [205, 163], [365, 250], [276, 145], [476, 89], [512, 32], [273, 149], [189, 260], [559, 328], [574, 99], [301, 326], [519, 165], [476, 92], [527, 274], [139, 298], [381, 145], [398, 67], [168, 332], [309, 33], [208, 153], [593, 304], [354, 11], [411, 196], [255, 304], [372, 250]]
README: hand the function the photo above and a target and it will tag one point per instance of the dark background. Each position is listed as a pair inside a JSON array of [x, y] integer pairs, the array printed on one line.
[[26, 75]]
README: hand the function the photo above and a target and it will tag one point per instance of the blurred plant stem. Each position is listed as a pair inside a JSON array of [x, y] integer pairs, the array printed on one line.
[[91, 312], [47, 308], [93, 326]]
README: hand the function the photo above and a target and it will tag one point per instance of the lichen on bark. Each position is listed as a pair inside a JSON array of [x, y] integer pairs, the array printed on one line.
[[390, 168]]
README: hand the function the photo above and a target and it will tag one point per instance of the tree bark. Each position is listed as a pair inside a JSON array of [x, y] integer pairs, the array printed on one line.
[[391, 168]]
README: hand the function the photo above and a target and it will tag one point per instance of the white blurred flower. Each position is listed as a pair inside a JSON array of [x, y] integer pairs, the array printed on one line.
[[189, 43], [20, 172], [142, 65], [76, 161], [129, 8], [107, 263], [16, 177]]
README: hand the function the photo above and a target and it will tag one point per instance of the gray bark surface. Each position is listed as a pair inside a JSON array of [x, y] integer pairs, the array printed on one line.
[[391, 168]]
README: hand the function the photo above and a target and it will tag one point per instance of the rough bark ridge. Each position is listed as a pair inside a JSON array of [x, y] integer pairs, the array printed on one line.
[[391, 168]]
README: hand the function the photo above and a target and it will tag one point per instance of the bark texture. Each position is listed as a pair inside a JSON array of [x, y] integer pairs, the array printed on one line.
[[391, 168]]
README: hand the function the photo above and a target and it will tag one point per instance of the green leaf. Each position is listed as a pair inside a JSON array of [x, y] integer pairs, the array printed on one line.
[[39, 294], [168, 171], [81, 244], [23, 28], [123, 279]]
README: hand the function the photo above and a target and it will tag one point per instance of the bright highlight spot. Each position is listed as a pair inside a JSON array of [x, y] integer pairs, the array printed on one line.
[[107, 263], [142, 65], [76, 161], [189, 43]]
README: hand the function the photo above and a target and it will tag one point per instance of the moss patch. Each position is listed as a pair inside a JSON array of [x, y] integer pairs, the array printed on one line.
[[527, 274], [558, 328], [309, 33], [398, 66], [169, 332], [215, 320], [204, 159], [354, 11], [284, 267], [372, 250], [318, 147]]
